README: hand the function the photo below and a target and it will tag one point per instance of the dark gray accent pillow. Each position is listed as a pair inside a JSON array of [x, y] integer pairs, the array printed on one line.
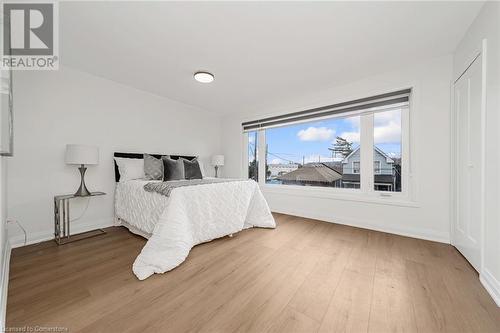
[[153, 167], [172, 169], [192, 169]]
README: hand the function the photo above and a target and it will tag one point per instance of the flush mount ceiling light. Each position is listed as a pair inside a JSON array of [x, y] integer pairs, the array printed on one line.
[[204, 77]]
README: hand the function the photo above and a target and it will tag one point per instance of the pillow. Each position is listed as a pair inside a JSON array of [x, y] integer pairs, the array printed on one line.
[[130, 168], [172, 169], [202, 169], [153, 167], [192, 169]]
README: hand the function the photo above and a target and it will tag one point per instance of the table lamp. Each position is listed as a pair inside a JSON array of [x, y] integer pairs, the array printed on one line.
[[217, 161], [82, 155]]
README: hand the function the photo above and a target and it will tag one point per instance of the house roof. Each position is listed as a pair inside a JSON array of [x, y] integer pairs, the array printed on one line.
[[315, 172], [337, 166], [387, 158]]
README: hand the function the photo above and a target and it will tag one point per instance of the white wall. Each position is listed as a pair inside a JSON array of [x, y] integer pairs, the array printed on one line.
[[3, 203], [54, 108], [487, 26], [428, 217], [4, 246]]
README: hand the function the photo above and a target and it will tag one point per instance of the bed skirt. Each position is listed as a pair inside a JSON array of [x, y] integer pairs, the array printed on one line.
[[131, 228]]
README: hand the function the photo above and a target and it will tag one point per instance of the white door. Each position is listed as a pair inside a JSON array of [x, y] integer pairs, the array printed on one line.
[[469, 152]]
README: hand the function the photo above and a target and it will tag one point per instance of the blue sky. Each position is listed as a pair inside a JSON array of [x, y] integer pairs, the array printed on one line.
[[312, 140]]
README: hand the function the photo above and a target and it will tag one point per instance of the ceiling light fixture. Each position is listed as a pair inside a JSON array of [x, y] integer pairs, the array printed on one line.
[[204, 77]]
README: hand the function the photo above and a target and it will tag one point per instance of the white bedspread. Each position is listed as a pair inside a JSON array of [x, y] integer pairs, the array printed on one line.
[[190, 216], [137, 207]]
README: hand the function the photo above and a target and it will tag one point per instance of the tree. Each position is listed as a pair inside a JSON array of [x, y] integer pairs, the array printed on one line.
[[253, 167], [253, 170], [341, 147]]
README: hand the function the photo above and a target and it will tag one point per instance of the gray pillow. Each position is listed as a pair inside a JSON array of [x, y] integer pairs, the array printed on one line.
[[192, 169], [172, 169], [153, 167]]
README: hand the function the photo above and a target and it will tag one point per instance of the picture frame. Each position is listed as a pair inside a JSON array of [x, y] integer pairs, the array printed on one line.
[[6, 110]]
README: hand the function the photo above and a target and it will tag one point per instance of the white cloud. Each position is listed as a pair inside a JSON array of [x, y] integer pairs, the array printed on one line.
[[388, 133], [316, 134], [387, 127], [276, 161], [350, 136], [382, 118]]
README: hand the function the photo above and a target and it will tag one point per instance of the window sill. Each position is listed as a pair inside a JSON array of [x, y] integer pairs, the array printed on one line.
[[340, 194]]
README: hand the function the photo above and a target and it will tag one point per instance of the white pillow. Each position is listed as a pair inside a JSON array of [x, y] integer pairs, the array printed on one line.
[[130, 168]]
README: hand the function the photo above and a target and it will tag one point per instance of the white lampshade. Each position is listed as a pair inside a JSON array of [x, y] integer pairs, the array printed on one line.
[[218, 160], [82, 154]]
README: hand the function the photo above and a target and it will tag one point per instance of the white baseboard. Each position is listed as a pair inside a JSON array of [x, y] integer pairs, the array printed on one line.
[[45, 235], [4, 282], [491, 284], [430, 235]]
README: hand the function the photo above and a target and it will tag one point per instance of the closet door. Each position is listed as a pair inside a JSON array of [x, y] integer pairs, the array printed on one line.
[[469, 195]]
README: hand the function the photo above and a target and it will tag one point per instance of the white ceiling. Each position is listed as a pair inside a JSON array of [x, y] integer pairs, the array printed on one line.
[[259, 52]]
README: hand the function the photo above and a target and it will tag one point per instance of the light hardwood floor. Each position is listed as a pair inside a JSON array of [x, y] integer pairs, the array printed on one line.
[[304, 276]]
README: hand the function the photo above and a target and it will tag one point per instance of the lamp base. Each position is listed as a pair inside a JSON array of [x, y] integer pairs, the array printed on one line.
[[82, 190]]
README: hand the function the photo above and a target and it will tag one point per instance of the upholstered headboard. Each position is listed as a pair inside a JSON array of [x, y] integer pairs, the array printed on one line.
[[141, 156]]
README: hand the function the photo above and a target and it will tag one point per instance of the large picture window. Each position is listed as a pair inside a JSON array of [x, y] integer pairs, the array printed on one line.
[[358, 145]]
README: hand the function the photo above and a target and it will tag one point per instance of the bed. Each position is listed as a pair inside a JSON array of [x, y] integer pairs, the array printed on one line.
[[190, 215]]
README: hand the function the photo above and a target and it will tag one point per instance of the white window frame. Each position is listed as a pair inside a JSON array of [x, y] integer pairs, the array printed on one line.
[[245, 158], [366, 192], [358, 169]]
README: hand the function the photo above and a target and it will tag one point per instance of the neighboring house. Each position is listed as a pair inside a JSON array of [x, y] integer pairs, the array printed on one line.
[[312, 174], [275, 170], [385, 170], [345, 174]]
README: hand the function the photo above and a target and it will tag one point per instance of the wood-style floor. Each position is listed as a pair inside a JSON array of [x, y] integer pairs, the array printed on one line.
[[304, 276]]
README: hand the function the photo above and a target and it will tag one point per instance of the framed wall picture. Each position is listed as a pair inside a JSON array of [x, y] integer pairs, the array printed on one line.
[[6, 114], [6, 105]]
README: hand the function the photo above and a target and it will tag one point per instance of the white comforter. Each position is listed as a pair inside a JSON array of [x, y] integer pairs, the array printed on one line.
[[190, 216]]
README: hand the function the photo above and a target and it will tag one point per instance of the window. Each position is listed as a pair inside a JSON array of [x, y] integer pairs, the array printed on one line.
[[387, 150], [356, 167], [376, 167], [313, 153], [322, 147], [253, 164]]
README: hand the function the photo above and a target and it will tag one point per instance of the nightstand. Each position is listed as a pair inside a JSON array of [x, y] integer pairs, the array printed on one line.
[[62, 220]]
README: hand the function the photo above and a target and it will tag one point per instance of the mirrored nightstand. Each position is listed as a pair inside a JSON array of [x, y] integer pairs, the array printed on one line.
[[62, 220]]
